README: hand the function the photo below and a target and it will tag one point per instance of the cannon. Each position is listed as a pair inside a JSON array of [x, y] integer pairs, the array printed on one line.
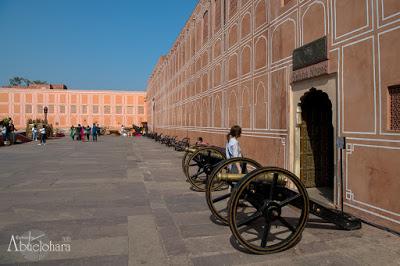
[[198, 163], [182, 144], [266, 208]]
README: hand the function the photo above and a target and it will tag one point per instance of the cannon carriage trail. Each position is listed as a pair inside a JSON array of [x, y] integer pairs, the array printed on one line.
[[125, 201]]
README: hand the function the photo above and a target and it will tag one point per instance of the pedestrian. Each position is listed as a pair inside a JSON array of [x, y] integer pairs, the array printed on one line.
[[72, 132], [82, 133], [78, 132], [43, 135], [11, 134], [3, 132], [34, 133], [200, 142], [87, 132], [94, 132], [98, 129], [232, 148]]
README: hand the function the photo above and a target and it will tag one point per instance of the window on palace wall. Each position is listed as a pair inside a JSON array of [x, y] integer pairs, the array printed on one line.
[[107, 109], [39, 108], [129, 110], [51, 109], [95, 109], [394, 94], [84, 109], [62, 109], [73, 109], [118, 110], [140, 110], [28, 108]]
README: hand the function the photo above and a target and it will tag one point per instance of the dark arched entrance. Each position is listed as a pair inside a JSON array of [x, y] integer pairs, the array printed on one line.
[[316, 140]]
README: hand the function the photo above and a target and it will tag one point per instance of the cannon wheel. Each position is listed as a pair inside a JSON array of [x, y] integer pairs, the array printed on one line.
[[185, 158], [218, 192], [199, 166], [261, 214]]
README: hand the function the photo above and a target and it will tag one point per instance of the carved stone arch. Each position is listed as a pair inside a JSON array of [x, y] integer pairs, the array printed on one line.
[[245, 57], [198, 114], [206, 112], [233, 35], [206, 18], [313, 21], [217, 7], [232, 109], [260, 14], [260, 118], [204, 82], [217, 48], [245, 25], [283, 40], [246, 107], [217, 112], [233, 67], [217, 75]]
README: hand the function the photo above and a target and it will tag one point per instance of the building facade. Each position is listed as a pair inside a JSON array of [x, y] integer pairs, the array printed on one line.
[[71, 107], [315, 85]]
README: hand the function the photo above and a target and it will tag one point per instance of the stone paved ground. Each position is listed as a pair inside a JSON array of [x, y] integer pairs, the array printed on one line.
[[125, 202]]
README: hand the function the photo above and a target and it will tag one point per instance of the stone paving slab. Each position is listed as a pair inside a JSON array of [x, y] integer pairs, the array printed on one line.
[[124, 201]]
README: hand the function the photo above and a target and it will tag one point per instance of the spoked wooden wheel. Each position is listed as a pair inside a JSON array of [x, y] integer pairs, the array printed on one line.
[[186, 157], [268, 210], [200, 165], [221, 182]]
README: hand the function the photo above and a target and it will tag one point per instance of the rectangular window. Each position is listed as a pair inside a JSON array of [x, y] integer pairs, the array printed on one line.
[[118, 110], [95, 109], [28, 108], [129, 110], [73, 109], [107, 109], [51, 109], [140, 110], [394, 94], [84, 109], [62, 109], [39, 108]]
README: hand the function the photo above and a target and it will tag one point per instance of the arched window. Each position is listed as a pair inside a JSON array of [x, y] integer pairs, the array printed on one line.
[[205, 27]]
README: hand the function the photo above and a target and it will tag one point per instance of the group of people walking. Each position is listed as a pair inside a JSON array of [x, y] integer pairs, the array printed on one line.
[[81, 132], [39, 132]]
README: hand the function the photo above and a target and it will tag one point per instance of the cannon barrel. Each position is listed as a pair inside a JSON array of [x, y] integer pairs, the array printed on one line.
[[190, 150], [281, 181]]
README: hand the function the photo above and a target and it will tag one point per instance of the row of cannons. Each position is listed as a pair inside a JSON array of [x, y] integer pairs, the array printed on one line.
[[266, 208]]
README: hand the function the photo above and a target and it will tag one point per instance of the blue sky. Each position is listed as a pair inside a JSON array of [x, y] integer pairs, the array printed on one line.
[[88, 44]]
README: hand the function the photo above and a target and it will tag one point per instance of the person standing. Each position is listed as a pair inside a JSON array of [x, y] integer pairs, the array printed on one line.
[[87, 132], [78, 132], [43, 135], [3, 129], [34, 133], [82, 133], [94, 132], [72, 132], [233, 147]]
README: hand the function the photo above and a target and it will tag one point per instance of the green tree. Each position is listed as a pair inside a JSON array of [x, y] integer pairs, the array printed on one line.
[[16, 81]]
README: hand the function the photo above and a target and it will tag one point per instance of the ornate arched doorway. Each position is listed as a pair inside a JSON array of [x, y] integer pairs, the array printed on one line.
[[316, 140]]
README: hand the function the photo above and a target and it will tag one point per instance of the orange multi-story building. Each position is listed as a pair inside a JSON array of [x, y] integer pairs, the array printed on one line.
[[71, 107], [315, 84]]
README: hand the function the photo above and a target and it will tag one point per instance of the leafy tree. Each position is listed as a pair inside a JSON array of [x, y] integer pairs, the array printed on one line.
[[16, 81], [20, 81]]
